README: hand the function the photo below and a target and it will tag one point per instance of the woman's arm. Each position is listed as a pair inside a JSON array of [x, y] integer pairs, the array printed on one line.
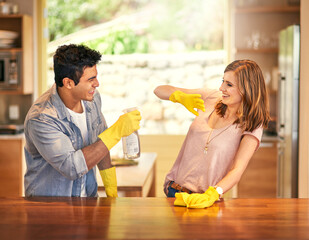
[[164, 91], [245, 152], [190, 98]]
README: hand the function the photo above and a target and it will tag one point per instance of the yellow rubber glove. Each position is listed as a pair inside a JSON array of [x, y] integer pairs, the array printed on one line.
[[181, 199], [203, 200], [124, 126], [190, 101], [110, 181]]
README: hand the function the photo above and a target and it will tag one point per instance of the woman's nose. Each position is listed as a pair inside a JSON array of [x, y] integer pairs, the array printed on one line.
[[221, 87]]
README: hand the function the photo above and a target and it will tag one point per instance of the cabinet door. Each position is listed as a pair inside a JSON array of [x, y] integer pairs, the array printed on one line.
[[11, 157], [260, 178]]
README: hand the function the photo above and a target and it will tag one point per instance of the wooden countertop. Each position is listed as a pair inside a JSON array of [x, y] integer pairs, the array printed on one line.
[[151, 218]]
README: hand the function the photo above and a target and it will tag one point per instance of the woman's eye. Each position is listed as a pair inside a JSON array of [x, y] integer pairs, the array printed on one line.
[[227, 83]]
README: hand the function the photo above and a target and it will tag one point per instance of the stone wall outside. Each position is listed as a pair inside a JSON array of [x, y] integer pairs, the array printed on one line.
[[129, 81]]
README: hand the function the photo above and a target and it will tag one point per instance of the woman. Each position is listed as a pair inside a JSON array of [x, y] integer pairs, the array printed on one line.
[[225, 133]]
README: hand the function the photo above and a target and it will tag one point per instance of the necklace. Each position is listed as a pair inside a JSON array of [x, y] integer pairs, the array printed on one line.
[[209, 140]]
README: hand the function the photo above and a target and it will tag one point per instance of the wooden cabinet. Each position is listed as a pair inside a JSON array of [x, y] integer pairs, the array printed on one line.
[[12, 166], [15, 102], [260, 178], [167, 148], [255, 27], [22, 24]]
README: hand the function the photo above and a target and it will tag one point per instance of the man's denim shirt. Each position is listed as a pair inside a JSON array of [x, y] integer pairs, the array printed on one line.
[[55, 162]]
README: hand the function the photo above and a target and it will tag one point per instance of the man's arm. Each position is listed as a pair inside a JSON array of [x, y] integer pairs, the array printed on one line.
[[97, 154], [105, 163]]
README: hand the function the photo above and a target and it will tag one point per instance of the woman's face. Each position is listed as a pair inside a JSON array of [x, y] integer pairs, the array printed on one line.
[[230, 92]]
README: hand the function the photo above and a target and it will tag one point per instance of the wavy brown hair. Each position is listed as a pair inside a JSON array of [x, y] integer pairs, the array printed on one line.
[[253, 111]]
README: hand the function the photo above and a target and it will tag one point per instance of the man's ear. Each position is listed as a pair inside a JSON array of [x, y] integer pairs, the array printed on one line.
[[68, 83]]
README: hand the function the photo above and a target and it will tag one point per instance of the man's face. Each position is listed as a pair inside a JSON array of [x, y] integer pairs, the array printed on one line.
[[88, 82]]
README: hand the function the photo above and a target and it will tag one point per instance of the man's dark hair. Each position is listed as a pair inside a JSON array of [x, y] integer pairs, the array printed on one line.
[[71, 60]]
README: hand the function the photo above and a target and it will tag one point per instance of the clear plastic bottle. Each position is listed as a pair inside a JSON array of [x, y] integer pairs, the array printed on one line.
[[131, 144]]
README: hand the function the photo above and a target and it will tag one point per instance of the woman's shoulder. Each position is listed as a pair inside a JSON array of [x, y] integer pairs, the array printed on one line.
[[258, 132]]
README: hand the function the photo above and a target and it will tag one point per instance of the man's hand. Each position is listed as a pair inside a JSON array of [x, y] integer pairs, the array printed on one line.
[[110, 181], [124, 126], [190, 101]]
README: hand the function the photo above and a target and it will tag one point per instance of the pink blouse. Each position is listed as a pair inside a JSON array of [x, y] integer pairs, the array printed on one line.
[[195, 170]]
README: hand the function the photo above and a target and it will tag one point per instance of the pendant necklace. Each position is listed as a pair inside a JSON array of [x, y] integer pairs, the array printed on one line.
[[206, 146], [209, 140]]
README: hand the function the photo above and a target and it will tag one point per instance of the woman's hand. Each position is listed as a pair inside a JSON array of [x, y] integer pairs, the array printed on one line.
[[197, 200], [190, 101]]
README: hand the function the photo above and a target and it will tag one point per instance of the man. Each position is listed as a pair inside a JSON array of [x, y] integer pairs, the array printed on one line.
[[66, 133]]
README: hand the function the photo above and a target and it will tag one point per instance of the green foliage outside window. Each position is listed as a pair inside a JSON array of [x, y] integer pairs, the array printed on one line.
[[68, 16], [120, 42], [198, 24]]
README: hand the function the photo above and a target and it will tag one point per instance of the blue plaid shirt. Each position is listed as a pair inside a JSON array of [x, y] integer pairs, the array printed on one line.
[[55, 162]]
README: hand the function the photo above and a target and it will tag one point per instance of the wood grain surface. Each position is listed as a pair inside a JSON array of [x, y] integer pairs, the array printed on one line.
[[151, 218]]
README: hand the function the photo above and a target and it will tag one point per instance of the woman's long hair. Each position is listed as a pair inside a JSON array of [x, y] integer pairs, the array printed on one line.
[[253, 111]]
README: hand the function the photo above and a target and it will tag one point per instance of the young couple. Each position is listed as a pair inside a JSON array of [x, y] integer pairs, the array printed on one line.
[[67, 136]]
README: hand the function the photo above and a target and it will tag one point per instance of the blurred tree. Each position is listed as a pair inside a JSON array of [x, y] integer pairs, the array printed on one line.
[[120, 42], [68, 16], [198, 24]]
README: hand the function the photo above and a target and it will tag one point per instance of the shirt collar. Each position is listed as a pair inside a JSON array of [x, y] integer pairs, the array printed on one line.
[[61, 108]]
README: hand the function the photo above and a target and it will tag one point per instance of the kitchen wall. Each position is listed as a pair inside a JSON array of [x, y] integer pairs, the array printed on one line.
[[304, 100], [20, 104]]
